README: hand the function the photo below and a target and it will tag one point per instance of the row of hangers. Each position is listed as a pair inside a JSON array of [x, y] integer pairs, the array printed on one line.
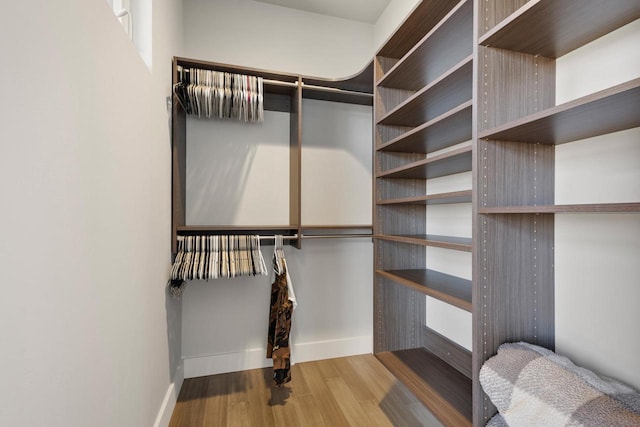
[[217, 256], [209, 93]]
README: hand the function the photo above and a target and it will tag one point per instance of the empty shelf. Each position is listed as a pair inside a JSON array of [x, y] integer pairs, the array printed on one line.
[[431, 199], [455, 161], [451, 128], [553, 28], [606, 111], [446, 44], [450, 289], [440, 387], [446, 242], [450, 90], [419, 22], [573, 208]]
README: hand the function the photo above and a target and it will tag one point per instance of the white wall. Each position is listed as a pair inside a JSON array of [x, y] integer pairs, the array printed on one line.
[[85, 179], [260, 35], [596, 256], [336, 163], [227, 163]]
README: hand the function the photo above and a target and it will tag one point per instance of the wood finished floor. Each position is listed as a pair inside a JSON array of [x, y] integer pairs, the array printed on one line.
[[349, 391]]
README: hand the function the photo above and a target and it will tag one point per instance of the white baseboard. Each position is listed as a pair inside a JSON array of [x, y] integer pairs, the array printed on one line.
[[255, 358], [170, 398], [320, 350]]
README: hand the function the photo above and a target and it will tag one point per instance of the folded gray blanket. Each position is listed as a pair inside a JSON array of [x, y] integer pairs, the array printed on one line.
[[533, 386]]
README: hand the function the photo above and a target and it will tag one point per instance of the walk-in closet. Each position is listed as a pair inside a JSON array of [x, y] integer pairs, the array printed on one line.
[[280, 213]]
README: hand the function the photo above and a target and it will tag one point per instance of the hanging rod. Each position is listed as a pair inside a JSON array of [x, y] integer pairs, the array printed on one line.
[[279, 83], [294, 237], [318, 236]]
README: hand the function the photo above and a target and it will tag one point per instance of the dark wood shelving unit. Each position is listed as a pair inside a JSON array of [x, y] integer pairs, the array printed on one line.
[[439, 386], [431, 199], [283, 92], [553, 28], [450, 289], [423, 103], [446, 242], [518, 128], [610, 110], [450, 163]]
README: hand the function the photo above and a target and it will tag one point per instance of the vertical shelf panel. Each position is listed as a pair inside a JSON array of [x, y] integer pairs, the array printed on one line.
[[489, 17], [295, 163], [515, 174], [512, 85], [178, 165], [395, 332]]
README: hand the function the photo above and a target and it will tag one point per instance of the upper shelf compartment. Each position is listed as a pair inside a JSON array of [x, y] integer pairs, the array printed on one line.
[[448, 43], [552, 28], [441, 95], [418, 23], [355, 89], [607, 111]]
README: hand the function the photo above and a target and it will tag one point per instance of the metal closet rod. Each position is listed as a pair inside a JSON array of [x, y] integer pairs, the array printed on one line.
[[318, 236]]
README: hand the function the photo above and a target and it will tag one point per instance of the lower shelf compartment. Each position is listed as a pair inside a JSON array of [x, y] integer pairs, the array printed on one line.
[[441, 388]]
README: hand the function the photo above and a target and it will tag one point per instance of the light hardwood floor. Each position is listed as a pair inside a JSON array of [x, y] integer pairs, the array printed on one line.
[[349, 391]]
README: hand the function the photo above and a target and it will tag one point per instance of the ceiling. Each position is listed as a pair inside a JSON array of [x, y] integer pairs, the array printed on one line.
[[357, 10]]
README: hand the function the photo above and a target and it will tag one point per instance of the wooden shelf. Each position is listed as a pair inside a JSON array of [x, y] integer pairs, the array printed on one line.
[[450, 163], [450, 90], [553, 28], [573, 208], [440, 387], [446, 242], [431, 199], [453, 127], [418, 23], [451, 352], [283, 92], [285, 79], [607, 111], [238, 229], [445, 45], [360, 82], [450, 289]]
